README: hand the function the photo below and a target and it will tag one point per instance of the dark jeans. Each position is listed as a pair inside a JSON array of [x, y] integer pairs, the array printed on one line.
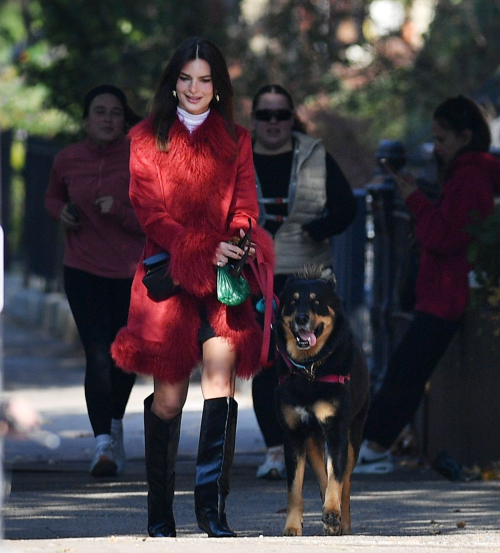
[[409, 369], [100, 308], [264, 386]]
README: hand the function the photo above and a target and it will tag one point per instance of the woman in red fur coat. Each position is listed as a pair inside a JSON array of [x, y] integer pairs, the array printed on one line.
[[192, 186]]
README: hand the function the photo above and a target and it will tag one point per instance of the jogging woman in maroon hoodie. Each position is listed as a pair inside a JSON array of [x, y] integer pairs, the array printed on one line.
[[88, 194]]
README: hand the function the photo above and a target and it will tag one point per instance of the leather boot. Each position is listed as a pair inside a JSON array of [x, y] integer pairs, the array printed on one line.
[[162, 441], [213, 467]]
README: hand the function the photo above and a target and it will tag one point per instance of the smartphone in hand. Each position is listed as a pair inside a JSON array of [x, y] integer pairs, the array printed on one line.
[[73, 212], [404, 183], [387, 167], [235, 266]]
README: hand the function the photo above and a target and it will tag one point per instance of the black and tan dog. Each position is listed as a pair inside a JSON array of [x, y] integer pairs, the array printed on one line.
[[322, 399]]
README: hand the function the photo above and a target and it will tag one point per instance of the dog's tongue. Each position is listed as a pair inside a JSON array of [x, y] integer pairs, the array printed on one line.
[[308, 337]]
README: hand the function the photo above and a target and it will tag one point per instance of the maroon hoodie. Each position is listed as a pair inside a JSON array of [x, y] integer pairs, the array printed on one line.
[[442, 287], [110, 244]]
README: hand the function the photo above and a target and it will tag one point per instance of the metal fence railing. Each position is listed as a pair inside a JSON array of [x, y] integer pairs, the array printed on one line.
[[42, 239]]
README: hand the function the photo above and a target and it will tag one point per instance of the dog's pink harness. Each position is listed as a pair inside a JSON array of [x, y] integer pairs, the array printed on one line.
[[334, 378]]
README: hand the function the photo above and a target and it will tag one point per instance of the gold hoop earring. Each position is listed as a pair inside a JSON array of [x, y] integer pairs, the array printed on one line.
[[174, 93]]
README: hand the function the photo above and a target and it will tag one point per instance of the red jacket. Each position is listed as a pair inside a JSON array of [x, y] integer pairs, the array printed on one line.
[[188, 200], [109, 244], [442, 287]]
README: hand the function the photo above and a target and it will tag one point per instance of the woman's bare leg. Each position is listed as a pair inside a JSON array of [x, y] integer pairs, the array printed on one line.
[[218, 371], [169, 399]]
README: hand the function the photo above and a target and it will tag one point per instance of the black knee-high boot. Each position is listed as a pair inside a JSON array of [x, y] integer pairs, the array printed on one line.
[[213, 467], [161, 441]]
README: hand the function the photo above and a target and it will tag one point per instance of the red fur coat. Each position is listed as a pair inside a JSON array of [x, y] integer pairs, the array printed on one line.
[[187, 201]]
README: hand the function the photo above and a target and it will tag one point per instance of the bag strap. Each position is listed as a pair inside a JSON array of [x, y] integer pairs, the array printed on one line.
[[264, 275]]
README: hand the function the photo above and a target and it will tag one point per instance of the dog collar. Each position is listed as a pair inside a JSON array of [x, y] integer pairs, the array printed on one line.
[[309, 370]]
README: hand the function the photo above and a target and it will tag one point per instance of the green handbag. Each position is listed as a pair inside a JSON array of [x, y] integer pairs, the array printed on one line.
[[231, 290]]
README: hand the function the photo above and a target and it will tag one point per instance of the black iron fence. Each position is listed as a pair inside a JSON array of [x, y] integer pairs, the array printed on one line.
[[42, 237], [5, 181]]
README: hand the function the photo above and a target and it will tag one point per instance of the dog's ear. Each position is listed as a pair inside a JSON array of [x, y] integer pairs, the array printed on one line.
[[288, 284], [284, 291]]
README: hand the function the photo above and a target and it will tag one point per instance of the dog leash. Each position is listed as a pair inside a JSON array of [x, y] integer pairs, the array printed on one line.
[[265, 278]]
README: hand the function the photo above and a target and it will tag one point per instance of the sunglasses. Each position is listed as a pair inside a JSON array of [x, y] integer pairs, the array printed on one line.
[[278, 114]]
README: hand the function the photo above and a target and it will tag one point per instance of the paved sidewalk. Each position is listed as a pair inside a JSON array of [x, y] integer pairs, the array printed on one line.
[[53, 505]]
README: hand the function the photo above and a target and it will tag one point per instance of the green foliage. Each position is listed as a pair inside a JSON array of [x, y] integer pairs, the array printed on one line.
[[11, 27], [382, 102], [460, 55], [21, 107], [484, 254]]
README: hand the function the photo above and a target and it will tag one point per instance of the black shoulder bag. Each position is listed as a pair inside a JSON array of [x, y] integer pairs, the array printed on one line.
[[157, 279]]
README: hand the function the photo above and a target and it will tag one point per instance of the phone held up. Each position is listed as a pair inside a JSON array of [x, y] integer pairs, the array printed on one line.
[[387, 167], [235, 266], [73, 212]]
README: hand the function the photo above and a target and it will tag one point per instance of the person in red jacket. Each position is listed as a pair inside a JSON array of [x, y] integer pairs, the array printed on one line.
[[469, 177], [193, 189], [88, 195]]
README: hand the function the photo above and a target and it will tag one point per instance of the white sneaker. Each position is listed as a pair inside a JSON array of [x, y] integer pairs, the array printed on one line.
[[273, 467], [372, 462], [118, 450], [103, 463]]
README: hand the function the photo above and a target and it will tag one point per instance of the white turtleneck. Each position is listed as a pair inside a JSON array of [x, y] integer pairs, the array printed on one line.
[[190, 120]]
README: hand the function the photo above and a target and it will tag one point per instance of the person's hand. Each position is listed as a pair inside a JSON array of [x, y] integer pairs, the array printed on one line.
[[224, 251], [68, 221], [105, 203], [405, 184]]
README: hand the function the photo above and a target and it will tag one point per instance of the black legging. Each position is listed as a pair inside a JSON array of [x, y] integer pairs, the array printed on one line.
[[100, 308], [411, 365]]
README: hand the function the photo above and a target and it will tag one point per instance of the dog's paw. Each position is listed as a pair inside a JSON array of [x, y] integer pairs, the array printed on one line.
[[292, 531], [329, 531], [331, 524]]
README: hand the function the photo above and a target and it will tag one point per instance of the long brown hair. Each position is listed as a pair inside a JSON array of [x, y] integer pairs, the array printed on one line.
[[458, 114], [164, 106], [461, 113]]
